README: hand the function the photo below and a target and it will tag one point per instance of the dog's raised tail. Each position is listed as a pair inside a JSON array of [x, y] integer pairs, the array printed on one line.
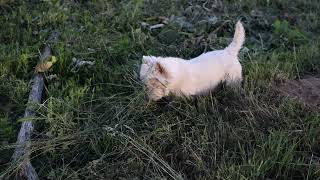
[[238, 39]]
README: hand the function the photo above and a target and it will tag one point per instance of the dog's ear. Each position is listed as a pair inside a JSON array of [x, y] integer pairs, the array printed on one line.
[[146, 60], [161, 69]]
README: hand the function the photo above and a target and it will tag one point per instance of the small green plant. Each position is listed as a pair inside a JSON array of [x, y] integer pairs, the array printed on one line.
[[289, 34]]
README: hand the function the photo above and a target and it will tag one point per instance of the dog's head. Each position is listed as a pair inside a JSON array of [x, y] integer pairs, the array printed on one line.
[[155, 77]]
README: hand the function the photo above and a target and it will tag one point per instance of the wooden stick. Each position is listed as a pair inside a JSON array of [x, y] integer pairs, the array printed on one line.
[[22, 152]]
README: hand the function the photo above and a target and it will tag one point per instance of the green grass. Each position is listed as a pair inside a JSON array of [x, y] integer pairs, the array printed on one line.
[[95, 123]]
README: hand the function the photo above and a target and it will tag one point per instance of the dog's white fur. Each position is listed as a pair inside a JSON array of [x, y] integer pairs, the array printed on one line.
[[168, 75]]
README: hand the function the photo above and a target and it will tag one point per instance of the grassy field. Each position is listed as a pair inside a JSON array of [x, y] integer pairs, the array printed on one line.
[[95, 122]]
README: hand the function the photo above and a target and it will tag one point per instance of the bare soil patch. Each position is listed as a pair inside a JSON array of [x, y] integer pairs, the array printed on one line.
[[306, 90]]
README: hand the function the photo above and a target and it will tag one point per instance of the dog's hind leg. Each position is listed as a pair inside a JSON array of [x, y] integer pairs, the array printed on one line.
[[234, 77]]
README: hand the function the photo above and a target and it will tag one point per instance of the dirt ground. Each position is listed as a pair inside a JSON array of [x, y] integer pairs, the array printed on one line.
[[306, 90]]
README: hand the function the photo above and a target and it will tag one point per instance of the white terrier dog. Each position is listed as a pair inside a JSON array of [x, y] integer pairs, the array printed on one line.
[[163, 76]]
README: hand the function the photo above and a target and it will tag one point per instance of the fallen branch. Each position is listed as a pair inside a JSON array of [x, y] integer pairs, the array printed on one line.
[[22, 153]]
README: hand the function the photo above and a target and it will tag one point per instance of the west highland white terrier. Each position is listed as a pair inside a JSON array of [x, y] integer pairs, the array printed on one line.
[[163, 76]]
